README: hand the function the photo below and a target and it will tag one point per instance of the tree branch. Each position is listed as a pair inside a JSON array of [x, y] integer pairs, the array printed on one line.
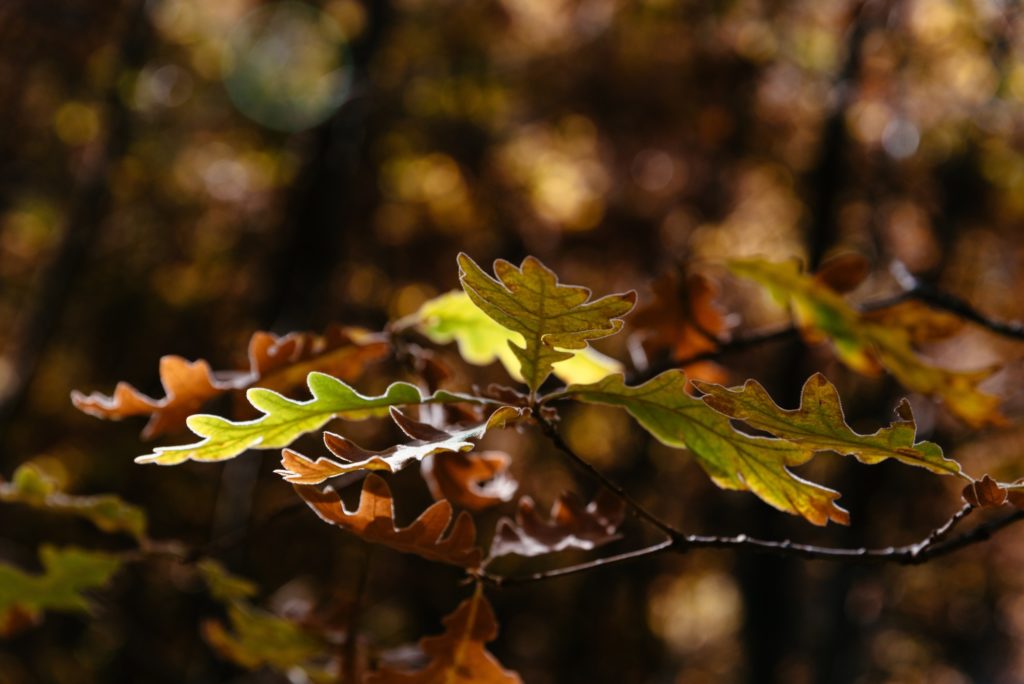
[[637, 509], [931, 547]]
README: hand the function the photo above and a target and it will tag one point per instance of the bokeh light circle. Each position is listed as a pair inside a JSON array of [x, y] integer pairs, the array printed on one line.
[[286, 66]]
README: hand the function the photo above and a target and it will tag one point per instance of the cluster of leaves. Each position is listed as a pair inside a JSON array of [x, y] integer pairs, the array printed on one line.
[[536, 327]]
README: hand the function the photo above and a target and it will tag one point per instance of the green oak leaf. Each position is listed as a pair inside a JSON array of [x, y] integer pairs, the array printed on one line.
[[865, 345], [67, 572], [31, 486], [453, 317], [285, 419], [819, 424], [553, 319], [732, 459]]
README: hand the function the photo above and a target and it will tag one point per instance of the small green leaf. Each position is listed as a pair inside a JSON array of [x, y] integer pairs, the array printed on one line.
[[31, 486], [819, 424], [285, 419], [732, 459], [259, 638], [453, 317], [66, 574], [224, 586], [552, 318]]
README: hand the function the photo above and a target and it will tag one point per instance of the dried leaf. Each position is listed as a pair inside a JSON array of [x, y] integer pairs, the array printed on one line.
[[573, 525], [67, 573], [277, 363], [986, 493], [31, 486], [374, 521], [843, 272], [819, 424], [864, 345], [682, 320], [551, 317], [458, 654], [284, 420], [732, 459], [299, 469], [482, 340], [475, 481]]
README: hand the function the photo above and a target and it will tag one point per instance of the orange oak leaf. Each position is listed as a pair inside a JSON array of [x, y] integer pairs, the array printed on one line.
[[458, 655], [276, 363], [683, 319], [572, 525], [374, 521], [474, 481]]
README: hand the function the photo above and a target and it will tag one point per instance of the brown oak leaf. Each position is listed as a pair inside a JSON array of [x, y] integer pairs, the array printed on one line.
[[572, 525], [374, 521]]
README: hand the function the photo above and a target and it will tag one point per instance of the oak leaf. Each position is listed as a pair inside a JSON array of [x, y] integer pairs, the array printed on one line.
[[31, 486], [866, 346], [67, 573], [572, 525], [458, 655], [284, 419], [453, 317], [277, 363], [374, 521], [683, 320], [732, 459], [299, 469], [553, 319], [819, 424], [474, 481]]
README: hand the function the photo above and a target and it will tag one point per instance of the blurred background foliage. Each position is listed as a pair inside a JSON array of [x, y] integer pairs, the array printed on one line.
[[176, 174]]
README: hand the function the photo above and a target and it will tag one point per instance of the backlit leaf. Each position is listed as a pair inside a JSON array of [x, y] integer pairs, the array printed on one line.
[[552, 318], [458, 655], [683, 319], [374, 521], [277, 363], [864, 344], [482, 340], [31, 486], [299, 469], [732, 459], [67, 573], [284, 419], [819, 424], [572, 525], [474, 481]]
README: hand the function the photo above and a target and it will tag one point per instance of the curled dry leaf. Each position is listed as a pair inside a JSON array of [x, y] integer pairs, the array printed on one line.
[[275, 363], [843, 272], [474, 481], [572, 525], [986, 493], [683, 319], [458, 655], [374, 521], [299, 469]]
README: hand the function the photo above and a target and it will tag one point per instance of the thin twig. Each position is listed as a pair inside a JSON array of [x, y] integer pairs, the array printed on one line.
[[913, 288], [638, 509], [932, 546]]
